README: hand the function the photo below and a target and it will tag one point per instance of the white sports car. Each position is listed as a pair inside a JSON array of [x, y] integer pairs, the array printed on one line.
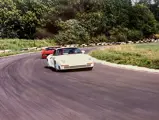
[[69, 58]]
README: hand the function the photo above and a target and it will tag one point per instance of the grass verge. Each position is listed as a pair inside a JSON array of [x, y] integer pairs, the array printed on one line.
[[143, 55], [18, 44], [16, 52]]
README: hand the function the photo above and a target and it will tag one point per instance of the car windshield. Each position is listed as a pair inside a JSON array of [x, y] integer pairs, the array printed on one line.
[[65, 51], [50, 48]]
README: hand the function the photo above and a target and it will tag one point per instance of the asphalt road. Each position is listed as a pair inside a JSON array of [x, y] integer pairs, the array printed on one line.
[[29, 91]]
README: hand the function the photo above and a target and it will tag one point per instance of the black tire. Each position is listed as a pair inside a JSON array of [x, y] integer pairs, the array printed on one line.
[[55, 65], [91, 68]]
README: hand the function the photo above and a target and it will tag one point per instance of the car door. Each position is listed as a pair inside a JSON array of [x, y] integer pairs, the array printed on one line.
[[56, 54], [51, 58]]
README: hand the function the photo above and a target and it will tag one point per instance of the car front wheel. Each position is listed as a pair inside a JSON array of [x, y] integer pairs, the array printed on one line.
[[57, 68], [91, 68]]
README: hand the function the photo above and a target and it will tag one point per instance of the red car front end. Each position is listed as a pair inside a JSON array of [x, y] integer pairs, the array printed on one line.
[[47, 51]]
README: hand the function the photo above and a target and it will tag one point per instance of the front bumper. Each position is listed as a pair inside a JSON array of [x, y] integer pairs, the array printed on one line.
[[67, 67], [44, 56]]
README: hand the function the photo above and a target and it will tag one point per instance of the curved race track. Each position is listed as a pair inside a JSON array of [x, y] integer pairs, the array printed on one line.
[[29, 91]]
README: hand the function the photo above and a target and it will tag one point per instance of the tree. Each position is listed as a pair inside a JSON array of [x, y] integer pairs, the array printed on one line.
[[9, 19], [31, 13], [141, 18], [94, 19], [92, 22], [72, 33]]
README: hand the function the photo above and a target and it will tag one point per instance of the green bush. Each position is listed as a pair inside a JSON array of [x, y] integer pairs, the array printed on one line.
[[118, 34], [121, 37], [72, 33], [42, 33], [99, 38], [141, 18], [134, 35]]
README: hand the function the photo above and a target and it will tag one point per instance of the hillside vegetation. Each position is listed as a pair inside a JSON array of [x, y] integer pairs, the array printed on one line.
[[144, 55], [78, 21], [18, 45]]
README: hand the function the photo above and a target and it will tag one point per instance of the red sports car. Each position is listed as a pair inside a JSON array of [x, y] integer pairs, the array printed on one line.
[[47, 51]]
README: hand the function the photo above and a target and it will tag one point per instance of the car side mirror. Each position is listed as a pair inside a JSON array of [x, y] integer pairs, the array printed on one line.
[[83, 51]]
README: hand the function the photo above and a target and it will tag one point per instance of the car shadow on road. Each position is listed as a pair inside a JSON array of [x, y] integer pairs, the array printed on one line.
[[72, 70]]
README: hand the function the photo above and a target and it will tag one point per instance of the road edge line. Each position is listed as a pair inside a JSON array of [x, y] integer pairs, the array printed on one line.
[[128, 67]]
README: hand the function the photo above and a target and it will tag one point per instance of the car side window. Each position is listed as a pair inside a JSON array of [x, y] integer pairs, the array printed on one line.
[[58, 52], [78, 51]]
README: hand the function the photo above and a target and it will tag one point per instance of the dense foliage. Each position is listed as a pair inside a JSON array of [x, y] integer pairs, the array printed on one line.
[[78, 21]]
